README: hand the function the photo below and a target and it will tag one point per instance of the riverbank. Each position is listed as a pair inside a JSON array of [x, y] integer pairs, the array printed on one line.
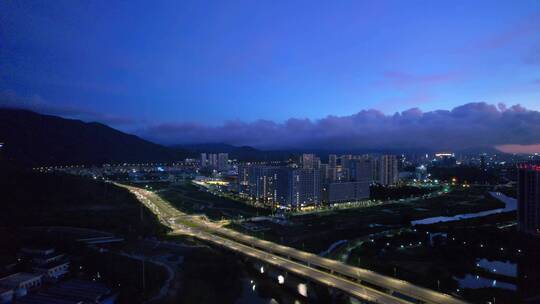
[[510, 204]]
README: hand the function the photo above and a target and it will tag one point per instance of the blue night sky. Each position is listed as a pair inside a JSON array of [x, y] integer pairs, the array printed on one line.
[[135, 64]]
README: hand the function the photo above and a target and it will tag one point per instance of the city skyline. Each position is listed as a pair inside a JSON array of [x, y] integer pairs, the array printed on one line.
[[470, 127], [238, 152]]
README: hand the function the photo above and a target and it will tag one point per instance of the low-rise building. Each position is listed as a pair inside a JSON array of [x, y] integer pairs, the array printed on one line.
[[80, 290], [54, 270], [42, 255], [48, 258], [21, 282]]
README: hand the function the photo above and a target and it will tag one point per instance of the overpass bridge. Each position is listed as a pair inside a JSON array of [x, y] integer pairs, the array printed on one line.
[[358, 282]]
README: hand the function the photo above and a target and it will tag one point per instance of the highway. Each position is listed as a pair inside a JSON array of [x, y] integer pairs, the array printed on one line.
[[357, 273], [352, 288], [337, 274]]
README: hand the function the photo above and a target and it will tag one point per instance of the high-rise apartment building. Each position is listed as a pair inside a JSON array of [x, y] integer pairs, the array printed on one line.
[[529, 199], [325, 173], [204, 160], [483, 165], [388, 170], [332, 160], [332, 168], [243, 179], [310, 161], [284, 186], [222, 162], [347, 192], [362, 169], [268, 185], [214, 161], [304, 187], [345, 160]]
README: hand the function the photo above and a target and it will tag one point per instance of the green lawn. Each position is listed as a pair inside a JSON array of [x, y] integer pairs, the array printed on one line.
[[315, 232], [191, 200]]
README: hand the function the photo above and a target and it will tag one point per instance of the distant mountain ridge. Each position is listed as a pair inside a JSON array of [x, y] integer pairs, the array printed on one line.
[[242, 153], [214, 148], [34, 139], [247, 153]]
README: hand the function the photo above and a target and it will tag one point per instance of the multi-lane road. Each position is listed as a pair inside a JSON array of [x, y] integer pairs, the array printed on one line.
[[316, 268]]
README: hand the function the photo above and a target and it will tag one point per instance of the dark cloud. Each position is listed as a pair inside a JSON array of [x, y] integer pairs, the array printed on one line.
[[470, 125], [466, 126], [10, 99]]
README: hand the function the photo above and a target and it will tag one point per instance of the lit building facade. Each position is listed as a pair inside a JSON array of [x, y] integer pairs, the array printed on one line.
[[529, 199], [214, 161], [281, 186], [305, 187], [348, 192], [388, 170], [310, 161]]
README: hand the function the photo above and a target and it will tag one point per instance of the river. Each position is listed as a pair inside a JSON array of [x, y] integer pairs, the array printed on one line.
[[510, 204]]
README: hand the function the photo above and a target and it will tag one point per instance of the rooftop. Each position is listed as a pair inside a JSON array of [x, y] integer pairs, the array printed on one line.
[[48, 256], [46, 299], [52, 264], [17, 278], [38, 250], [79, 290]]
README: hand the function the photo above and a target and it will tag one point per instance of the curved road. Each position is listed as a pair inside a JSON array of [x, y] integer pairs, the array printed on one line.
[[279, 255]]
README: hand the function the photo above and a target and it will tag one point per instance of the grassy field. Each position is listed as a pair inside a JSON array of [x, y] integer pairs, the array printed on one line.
[[315, 232], [437, 265], [190, 199]]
